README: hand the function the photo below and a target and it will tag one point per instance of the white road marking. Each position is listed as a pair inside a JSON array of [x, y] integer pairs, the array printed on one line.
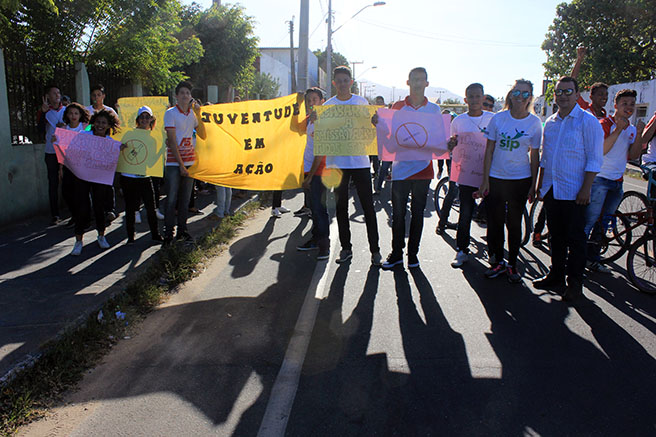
[[284, 388]]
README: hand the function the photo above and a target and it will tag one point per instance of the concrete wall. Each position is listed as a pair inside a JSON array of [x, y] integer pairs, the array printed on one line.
[[24, 186], [281, 56], [278, 70]]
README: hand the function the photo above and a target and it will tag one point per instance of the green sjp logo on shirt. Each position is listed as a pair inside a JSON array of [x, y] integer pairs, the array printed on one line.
[[510, 143]]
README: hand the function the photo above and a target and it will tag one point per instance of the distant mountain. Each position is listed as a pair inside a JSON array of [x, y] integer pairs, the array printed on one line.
[[374, 89]]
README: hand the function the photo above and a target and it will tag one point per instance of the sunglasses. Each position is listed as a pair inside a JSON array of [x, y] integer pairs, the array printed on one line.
[[566, 91], [517, 93]]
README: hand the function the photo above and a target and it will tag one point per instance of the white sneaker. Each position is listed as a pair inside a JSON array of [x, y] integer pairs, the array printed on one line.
[[102, 242], [137, 217], [282, 209], [275, 212], [460, 259], [159, 215], [77, 249]]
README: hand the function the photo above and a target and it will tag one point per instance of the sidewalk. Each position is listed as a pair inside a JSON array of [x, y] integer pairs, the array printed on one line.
[[43, 289]]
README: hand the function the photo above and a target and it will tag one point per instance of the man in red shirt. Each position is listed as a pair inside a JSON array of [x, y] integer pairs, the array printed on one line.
[[598, 90]]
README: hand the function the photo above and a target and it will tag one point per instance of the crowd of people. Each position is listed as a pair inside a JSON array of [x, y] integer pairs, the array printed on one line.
[[574, 162]]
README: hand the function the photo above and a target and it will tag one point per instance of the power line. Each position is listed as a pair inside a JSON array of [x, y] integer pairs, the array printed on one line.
[[455, 40]]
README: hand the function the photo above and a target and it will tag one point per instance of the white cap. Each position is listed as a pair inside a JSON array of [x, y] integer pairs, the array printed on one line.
[[144, 109]]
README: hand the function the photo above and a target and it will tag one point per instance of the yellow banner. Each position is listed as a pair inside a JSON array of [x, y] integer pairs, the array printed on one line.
[[345, 130], [253, 145], [144, 155], [147, 154]]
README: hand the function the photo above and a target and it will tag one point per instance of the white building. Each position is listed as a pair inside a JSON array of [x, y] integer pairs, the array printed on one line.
[[276, 62], [645, 102]]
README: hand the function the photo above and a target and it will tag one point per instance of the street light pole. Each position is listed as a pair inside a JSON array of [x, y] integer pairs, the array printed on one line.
[[329, 45], [329, 49]]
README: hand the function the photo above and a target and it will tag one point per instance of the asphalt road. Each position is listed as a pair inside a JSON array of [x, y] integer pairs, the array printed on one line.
[[269, 341]]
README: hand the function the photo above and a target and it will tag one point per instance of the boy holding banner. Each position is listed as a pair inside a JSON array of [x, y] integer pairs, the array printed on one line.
[[180, 122], [410, 177], [467, 162], [355, 168], [315, 169]]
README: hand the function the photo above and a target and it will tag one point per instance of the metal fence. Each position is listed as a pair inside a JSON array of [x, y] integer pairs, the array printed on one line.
[[115, 84], [26, 79]]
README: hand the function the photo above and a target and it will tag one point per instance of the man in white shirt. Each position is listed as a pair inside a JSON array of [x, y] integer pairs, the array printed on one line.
[[52, 111], [356, 169], [572, 155], [622, 141], [98, 100], [180, 122]]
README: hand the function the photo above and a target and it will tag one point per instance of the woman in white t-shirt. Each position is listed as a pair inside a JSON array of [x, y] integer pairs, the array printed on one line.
[[510, 175]]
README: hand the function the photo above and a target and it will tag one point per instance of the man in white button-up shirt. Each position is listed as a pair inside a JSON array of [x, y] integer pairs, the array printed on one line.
[[572, 155]]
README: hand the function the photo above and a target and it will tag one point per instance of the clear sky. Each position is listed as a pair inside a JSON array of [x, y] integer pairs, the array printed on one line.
[[459, 42]]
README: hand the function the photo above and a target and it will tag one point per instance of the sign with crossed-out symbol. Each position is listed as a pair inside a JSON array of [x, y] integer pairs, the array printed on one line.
[[411, 135]]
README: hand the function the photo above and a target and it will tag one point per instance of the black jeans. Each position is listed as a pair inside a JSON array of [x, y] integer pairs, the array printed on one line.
[[134, 191], [400, 192], [276, 201], [467, 205], [505, 205], [320, 218], [82, 209], [362, 179], [68, 188], [52, 166], [566, 221]]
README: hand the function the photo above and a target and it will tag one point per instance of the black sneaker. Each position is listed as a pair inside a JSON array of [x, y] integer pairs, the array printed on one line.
[[323, 254], [413, 261], [393, 259], [495, 270], [309, 245], [184, 236]]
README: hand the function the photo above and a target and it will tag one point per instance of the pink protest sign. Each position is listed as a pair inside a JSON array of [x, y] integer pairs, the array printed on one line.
[[411, 135], [89, 157], [467, 159]]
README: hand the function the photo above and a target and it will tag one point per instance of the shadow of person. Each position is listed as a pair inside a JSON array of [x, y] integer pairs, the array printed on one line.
[[246, 252]]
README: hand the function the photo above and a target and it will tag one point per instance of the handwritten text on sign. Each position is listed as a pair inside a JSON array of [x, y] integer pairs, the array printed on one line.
[[411, 135], [467, 159], [345, 130], [143, 155], [89, 157], [253, 145]]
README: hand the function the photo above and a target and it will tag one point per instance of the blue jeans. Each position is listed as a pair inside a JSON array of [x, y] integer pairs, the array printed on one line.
[[320, 220], [401, 190], [223, 199], [605, 197], [178, 193]]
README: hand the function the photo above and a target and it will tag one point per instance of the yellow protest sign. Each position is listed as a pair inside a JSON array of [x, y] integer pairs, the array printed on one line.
[[345, 130], [146, 153], [143, 154], [253, 145]]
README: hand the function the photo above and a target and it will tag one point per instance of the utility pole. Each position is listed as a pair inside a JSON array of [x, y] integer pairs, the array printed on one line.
[[291, 54], [303, 46], [329, 50]]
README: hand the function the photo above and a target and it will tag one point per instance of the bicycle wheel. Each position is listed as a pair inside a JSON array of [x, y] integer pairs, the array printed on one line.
[[441, 191], [536, 209], [527, 228], [616, 241], [633, 201], [641, 264]]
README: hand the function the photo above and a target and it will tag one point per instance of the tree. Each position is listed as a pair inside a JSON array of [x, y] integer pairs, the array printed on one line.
[[227, 35], [264, 86], [452, 102], [620, 37], [143, 42]]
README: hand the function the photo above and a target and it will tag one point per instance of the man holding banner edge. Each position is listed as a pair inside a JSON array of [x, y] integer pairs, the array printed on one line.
[[354, 168]]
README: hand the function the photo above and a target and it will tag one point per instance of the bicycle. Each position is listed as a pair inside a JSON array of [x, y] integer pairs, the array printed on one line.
[[641, 258], [441, 191]]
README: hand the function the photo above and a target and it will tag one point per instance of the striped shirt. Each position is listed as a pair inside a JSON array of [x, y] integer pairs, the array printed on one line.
[[571, 146]]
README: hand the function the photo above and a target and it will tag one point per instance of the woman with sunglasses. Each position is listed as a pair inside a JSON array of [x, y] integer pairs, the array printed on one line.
[[510, 176]]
